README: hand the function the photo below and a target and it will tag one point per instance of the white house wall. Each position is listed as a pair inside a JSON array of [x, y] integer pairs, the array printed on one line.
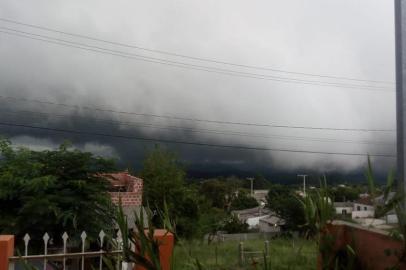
[[362, 214], [266, 227], [392, 219], [339, 210], [363, 207], [253, 222]]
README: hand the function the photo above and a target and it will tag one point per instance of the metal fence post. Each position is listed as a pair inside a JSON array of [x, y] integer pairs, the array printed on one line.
[[241, 253]]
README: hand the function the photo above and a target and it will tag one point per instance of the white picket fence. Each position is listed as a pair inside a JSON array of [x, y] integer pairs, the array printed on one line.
[[62, 257]]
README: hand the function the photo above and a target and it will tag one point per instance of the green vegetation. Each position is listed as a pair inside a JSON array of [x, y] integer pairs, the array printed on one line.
[[164, 181], [233, 225], [195, 208], [279, 253], [284, 254], [60, 191], [53, 191], [345, 193], [243, 201], [319, 212], [146, 249], [284, 201], [396, 203]]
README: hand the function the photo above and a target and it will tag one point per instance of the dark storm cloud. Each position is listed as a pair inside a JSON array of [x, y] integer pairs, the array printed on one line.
[[344, 38]]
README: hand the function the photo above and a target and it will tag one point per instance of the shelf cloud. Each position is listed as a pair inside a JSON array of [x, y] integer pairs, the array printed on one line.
[[285, 40]]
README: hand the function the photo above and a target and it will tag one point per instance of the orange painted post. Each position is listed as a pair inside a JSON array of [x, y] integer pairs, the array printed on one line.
[[167, 241], [6, 250]]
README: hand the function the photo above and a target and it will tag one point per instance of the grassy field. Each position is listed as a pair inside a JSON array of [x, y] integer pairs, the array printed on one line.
[[284, 254]]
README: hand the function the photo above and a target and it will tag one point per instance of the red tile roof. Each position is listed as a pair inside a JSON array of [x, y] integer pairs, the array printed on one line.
[[365, 200], [121, 179]]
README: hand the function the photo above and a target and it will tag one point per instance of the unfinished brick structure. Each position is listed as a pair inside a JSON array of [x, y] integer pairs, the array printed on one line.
[[125, 186]]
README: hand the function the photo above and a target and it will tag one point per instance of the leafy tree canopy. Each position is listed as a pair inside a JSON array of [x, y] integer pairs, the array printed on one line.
[[233, 225], [164, 182], [164, 178], [218, 192], [53, 191], [243, 200], [285, 203]]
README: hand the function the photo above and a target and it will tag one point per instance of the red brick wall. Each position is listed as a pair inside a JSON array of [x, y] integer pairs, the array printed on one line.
[[370, 246], [133, 197]]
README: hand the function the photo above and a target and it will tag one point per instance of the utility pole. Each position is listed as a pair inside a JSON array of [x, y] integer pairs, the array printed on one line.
[[304, 182], [400, 45], [252, 185]]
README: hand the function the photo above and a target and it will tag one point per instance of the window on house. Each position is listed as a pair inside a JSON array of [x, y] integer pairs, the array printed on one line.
[[344, 212], [358, 208], [365, 208]]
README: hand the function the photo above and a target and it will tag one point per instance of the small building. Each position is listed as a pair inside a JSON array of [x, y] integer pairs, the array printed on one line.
[[125, 186], [271, 224], [363, 208], [129, 189], [252, 216], [343, 208], [390, 217]]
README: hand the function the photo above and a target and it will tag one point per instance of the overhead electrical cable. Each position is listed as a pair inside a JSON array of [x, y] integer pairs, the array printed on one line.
[[172, 117], [184, 65], [241, 147], [196, 130], [188, 56]]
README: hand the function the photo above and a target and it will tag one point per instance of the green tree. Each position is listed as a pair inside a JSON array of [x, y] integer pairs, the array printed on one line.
[[345, 193], [217, 192], [164, 178], [53, 191], [164, 182], [285, 203], [233, 225], [243, 201]]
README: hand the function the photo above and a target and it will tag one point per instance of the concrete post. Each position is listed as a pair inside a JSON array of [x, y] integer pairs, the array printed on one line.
[[166, 244], [400, 45], [266, 247], [6, 250], [241, 254]]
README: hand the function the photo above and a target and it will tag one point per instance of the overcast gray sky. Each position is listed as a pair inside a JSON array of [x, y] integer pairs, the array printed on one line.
[[346, 38]]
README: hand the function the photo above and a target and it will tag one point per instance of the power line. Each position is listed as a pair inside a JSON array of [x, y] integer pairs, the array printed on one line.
[[183, 65], [190, 57], [15, 99], [187, 65], [191, 143], [200, 130]]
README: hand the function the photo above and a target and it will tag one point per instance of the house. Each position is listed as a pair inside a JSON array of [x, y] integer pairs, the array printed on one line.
[[363, 208], [252, 216], [271, 224], [129, 189], [343, 208], [363, 211], [390, 217]]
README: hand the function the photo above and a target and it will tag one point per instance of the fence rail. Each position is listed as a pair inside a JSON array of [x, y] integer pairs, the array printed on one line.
[[89, 254], [242, 253], [222, 237], [62, 258]]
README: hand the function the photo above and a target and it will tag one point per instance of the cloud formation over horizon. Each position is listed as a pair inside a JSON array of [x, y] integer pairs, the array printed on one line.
[[340, 38]]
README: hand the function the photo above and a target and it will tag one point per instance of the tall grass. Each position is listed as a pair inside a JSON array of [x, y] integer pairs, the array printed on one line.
[[283, 254], [319, 213]]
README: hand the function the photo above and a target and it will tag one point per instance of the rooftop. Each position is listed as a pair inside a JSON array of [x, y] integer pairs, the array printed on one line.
[[252, 212], [343, 204]]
